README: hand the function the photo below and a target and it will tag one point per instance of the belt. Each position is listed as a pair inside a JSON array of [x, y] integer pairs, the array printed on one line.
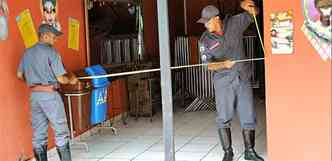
[[43, 88]]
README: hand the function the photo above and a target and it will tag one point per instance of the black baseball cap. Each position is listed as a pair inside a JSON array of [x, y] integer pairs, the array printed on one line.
[[43, 28], [207, 13]]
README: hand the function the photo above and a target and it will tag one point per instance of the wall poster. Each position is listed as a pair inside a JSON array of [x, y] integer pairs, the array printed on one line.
[[317, 26], [49, 11], [4, 11], [74, 34], [282, 30], [27, 29]]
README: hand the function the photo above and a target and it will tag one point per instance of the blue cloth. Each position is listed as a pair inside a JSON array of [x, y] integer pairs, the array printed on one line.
[[41, 64], [99, 102]]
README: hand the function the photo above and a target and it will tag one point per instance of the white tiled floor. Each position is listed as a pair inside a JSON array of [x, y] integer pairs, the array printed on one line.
[[195, 140]]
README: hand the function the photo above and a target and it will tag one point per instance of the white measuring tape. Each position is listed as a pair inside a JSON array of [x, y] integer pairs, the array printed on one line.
[[178, 67], [158, 69], [259, 34]]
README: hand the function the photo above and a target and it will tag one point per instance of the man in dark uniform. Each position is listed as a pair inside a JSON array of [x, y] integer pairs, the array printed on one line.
[[222, 42], [42, 69]]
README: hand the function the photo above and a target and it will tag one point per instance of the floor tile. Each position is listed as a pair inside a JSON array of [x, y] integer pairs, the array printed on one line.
[[203, 148], [195, 138], [151, 156], [189, 156]]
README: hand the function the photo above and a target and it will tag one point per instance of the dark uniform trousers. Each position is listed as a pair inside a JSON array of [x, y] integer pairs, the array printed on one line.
[[234, 95]]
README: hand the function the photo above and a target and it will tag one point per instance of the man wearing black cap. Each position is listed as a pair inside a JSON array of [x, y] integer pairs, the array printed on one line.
[[42, 69], [222, 42]]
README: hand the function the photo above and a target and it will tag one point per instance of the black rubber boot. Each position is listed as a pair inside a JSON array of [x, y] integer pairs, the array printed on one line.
[[226, 143], [64, 152], [249, 144], [40, 153]]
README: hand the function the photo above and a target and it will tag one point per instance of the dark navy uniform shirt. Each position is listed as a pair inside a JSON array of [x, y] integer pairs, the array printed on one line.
[[227, 47], [41, 64]]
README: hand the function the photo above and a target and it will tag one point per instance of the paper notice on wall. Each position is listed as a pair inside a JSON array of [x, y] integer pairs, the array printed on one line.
[[282, 32], [74, 34], [27, 29]]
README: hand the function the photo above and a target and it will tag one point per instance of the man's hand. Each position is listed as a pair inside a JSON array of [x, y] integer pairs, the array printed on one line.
[[73, 79], [214, 66], [20, 76], [68, 78], [228, 64], [249, 6]]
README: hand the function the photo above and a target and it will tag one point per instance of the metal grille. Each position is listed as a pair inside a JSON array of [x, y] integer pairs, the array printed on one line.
[[120, 49], [197, 82]]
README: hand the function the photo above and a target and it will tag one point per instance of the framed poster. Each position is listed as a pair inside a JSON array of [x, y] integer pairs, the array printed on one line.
[[27, 29], [74, 34], [49, 12], [4, 11], [317, 26], [282, 30]]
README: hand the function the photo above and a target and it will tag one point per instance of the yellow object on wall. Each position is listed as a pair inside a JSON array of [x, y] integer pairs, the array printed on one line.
[[74, 37], [27, 29]]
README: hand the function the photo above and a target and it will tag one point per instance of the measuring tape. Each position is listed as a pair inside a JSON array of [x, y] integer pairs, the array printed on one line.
[[158, 69], [178, 67], [259, 34]]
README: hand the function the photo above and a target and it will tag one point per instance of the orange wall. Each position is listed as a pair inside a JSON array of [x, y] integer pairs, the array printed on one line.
[[15, 133], [298, 96]]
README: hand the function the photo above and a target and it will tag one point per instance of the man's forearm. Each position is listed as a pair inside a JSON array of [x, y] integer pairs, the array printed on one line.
[[215, 66], [228, 64]]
